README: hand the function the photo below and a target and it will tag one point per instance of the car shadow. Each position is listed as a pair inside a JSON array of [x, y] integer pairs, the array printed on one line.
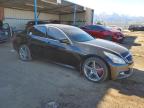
[[127, 88], [88, 93], [129, 41], [133, 85]]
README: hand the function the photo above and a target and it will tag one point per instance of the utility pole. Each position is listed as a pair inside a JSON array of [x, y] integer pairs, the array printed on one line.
[[35, 12], [74, 14]]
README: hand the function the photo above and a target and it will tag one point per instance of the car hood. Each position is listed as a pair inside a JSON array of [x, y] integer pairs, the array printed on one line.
[[107, 45]]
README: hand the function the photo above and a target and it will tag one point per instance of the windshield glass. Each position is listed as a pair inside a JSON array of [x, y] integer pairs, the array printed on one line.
[[76, 34], [106, 27]]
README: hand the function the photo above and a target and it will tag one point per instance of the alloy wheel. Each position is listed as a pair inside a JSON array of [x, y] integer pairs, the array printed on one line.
[[93, 71], [24, 53]]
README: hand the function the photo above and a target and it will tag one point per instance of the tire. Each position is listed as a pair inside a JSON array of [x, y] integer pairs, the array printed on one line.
[[96, 73], [24, 53]]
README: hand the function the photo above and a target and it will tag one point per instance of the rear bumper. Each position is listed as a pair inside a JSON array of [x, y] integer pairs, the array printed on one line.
[[123, 71]]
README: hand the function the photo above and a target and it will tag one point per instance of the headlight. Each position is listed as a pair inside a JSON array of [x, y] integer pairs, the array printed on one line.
[[115, 59]]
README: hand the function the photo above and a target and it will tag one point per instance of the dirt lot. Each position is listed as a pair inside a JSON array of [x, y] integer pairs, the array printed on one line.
[[33, 84], [128, 93]]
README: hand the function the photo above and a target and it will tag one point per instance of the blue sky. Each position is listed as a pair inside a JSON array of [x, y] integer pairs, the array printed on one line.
[[126, 7]]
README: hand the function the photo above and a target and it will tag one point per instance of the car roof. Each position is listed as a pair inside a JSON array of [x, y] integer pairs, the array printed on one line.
[[94, 25]]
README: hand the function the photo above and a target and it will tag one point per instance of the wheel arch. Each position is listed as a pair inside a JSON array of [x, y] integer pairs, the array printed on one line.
[[21, 41], [92, 55]]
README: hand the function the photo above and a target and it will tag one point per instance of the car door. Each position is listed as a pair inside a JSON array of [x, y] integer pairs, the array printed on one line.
[[89, 29], [37, 39], [95, 31], [59, 51]]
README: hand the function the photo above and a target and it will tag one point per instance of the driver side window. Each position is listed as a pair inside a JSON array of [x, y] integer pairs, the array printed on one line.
[[56, 34], [38, 31], [97, 28]]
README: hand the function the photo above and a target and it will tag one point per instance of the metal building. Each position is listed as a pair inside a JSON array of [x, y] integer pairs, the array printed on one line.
[[18, 12]]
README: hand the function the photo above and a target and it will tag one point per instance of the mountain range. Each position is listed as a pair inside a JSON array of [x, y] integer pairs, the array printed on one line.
[[119, 20]]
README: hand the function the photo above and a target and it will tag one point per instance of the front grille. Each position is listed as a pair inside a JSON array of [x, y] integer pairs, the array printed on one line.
[[129, 58]]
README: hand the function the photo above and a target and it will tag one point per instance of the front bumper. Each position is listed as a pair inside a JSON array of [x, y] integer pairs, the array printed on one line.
[[121, 71], [119, 40]]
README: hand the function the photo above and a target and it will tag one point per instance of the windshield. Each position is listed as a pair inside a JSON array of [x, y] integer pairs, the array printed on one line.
[[106, 27], [76, 34]]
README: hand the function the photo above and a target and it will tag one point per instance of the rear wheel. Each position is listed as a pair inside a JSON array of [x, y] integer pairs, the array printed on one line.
[[24, 53], [95, 69]]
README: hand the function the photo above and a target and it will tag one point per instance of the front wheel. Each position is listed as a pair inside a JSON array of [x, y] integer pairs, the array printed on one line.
[[24, 53], [95, 69]]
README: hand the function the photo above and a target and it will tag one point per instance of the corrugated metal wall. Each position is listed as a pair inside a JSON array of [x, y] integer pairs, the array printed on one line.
[[1, 13], [68, 18], [89, 16], [85, 17], [18, 18]]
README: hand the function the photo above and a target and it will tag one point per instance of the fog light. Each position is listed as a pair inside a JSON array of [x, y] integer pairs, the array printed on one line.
[[122, 73]]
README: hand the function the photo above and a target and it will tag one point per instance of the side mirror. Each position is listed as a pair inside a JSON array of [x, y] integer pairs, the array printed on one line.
[[66, 41]]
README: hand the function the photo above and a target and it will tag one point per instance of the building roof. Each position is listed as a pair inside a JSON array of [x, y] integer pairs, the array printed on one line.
[[47, 6]]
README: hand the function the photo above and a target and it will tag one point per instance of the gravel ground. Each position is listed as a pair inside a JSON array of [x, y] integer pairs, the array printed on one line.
[[33, 84]]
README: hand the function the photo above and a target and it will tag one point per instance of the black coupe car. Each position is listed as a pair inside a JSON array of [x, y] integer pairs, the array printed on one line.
[[97, 59], [136, 28]]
